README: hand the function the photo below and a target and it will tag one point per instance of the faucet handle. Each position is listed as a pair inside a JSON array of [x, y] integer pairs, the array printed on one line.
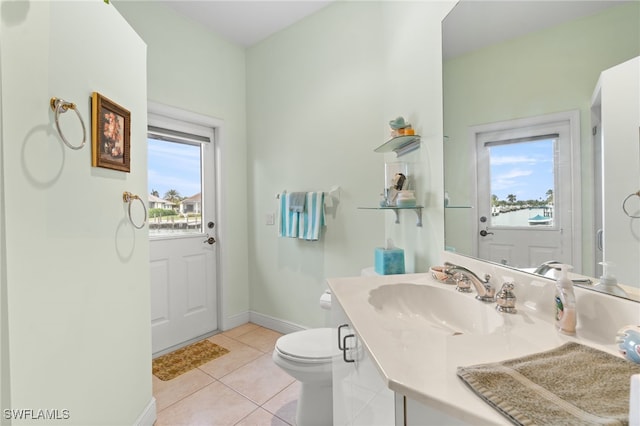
[[463, 284], [506, 299]]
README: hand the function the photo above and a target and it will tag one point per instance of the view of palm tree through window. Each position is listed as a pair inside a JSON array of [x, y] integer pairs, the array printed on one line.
[[175, 186], [522, 183]]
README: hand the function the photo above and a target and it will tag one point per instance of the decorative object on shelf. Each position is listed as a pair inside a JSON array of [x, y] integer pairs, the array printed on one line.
[[400, 128], [628, 340], [60, 106], [128, 198], [406, 198], [396, 178], [403, 138], [110, 134]]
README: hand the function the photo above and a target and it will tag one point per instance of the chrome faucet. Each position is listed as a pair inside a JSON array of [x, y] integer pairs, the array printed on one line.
[[545, 267], [464, 277]]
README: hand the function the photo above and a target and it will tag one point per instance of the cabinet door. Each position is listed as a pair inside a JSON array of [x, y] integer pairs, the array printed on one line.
[[360, 395], [417, 414]]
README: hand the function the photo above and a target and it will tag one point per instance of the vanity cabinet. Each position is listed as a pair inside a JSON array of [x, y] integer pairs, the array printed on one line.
[[360, 395], [417, 414]]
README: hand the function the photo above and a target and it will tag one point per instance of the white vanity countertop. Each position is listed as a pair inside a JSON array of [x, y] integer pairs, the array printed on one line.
[[420, 362]]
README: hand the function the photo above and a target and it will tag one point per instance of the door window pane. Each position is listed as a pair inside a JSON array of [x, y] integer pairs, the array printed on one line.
[[175, 185], [522, 183]]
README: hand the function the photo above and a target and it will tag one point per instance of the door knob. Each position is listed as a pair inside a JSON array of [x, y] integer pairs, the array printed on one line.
[[210, 240], [484, 233]]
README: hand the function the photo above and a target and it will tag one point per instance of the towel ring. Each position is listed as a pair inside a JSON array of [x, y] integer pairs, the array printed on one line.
[[61, 106], [624, 207], [128, 197]]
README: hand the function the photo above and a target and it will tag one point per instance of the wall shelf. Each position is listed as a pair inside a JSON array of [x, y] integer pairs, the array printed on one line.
[[457, 207], [400, 145], [417, 209]]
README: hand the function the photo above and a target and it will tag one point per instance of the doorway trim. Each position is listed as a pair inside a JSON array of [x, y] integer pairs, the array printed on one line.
[[573, 117], [218, 132]]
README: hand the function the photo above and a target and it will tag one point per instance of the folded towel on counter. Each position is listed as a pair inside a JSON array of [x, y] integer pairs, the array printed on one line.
[[573, 384], [312, 219], [297, 201]]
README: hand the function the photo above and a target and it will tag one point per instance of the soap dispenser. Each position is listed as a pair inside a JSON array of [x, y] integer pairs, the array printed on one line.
[[608, 282], [565, 301]]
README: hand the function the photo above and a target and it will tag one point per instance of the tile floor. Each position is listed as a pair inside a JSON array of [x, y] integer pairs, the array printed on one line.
[[243, 387]]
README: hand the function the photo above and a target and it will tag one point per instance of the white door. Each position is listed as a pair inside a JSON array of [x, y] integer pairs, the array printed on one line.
[[525, 197], [182, 232]]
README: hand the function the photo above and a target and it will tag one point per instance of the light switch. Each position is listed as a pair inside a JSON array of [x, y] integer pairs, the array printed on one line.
[[270, 219]]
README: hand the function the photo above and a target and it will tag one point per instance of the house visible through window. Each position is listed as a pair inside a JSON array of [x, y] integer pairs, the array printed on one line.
[[175, 182]]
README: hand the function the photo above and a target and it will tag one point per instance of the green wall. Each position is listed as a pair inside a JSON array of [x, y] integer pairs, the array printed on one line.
[[75, 274], [304, 110], [547, 71], [191, 68]]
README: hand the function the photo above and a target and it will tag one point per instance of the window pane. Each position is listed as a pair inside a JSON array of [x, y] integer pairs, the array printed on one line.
[[175, 183], [522, 183]]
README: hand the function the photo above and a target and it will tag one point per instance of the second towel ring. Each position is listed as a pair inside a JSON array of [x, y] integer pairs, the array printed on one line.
[[624, 207], [128, 198], [59, 106]]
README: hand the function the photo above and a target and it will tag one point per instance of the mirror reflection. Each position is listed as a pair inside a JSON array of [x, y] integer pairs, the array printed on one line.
[[525, 172]]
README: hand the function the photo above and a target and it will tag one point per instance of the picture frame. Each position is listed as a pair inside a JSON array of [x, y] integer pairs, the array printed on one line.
[[110, 134]]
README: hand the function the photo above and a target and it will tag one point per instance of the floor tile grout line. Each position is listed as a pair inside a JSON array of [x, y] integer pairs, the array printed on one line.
[[257, 405], [190, 394], [241, 420]]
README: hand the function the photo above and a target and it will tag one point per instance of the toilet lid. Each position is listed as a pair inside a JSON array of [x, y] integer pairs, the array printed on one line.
[[312, 344]]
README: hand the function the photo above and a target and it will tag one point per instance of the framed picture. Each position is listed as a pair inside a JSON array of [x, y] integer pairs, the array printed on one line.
[[110, 134]]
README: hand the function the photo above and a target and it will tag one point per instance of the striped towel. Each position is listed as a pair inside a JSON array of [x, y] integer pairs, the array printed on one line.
[[312, 218], [288, 220], [305, 225]]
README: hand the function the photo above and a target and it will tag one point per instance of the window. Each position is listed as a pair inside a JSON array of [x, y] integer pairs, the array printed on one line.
[[175, 178], [522, 181]]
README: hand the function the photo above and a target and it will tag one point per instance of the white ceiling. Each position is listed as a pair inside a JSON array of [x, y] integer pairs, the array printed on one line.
[[472, 23], [246, 22]]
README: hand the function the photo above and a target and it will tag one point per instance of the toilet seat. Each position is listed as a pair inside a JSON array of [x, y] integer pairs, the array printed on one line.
[[313, 346]]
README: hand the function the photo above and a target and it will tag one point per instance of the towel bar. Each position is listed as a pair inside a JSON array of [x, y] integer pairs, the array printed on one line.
[[128, 197], [624, 207], [59, 106]]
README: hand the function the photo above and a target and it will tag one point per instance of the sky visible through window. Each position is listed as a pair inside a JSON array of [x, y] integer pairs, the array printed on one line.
[[524, 169], [173, 166]]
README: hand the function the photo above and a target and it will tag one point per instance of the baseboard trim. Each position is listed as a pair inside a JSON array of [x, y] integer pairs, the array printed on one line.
[[276, 324], [149, 414], [235, 321]]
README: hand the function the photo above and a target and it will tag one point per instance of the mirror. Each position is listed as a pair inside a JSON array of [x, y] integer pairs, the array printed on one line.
[[505, 61]]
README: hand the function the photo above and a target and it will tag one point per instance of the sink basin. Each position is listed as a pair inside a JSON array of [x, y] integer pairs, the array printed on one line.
[[442, 309]]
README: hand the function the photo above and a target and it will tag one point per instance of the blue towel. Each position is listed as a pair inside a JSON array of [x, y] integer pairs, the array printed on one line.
[[312, 218], [305, 225], [288, 220]]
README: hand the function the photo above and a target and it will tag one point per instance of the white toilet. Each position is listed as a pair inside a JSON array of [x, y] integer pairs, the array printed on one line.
[[307, 356]]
